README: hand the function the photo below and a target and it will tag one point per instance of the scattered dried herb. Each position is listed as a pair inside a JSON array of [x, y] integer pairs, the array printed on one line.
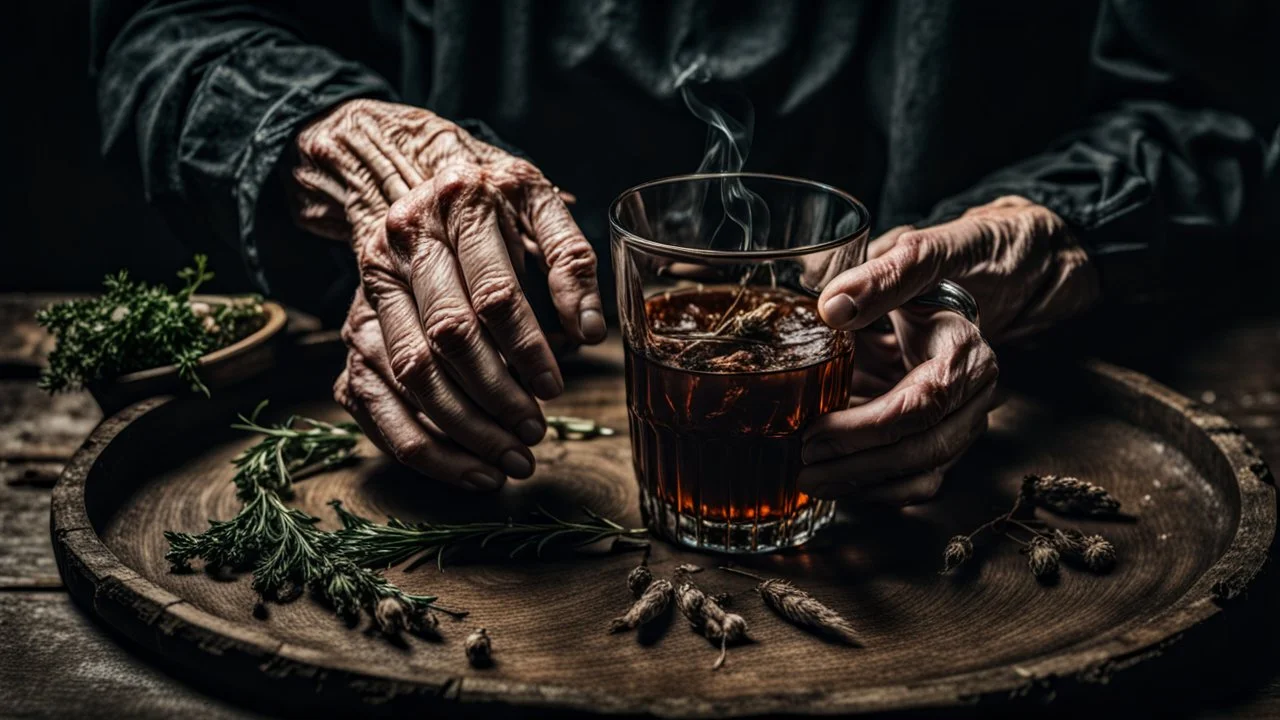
[[370, 544], [640, 577], [1047, 546], [800, 608], [707, 617], [133, 326], [652, 602], [575, 428], [1042, 558], [1069, 496], [479, 648]]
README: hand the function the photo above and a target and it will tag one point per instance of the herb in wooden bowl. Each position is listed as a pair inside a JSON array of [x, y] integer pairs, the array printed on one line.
[[134, 327]]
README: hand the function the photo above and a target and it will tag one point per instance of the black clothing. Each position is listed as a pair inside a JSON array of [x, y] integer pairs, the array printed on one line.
[[1144, 124]]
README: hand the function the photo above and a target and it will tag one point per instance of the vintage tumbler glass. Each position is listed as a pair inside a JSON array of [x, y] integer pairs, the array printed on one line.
[[727, 361]]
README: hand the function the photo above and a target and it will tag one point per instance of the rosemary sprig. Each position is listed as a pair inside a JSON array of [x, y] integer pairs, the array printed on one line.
[[372, 545], [282, 545]]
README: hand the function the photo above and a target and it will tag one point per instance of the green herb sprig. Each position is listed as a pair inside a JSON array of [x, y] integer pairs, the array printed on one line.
[[288, 553], [133, 326], [372, 545]]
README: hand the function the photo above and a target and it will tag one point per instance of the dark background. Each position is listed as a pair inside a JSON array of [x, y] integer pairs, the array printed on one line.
[[68, 219]]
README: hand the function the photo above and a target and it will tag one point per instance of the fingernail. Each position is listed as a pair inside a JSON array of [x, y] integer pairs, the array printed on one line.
[[531, 431], [592, 323], [817, 450], [484, 481], [840, 311], [515, 464], [546, 386]]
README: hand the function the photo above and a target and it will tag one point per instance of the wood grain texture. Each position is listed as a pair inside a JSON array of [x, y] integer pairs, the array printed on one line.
[[1205, 523], [37, 426], [26, 553], [56, 663]]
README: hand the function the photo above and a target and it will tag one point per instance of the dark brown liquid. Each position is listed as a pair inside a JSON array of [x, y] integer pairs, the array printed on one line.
[[717, 410]]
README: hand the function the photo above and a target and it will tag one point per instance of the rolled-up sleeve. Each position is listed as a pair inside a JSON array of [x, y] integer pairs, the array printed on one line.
[[204, 97], [1172, 162]]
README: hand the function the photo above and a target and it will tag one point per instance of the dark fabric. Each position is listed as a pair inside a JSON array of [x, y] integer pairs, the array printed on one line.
[[1145, 125]]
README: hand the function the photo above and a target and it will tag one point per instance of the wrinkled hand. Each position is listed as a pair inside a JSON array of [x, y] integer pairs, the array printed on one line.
[[923, 392], [445, 355]]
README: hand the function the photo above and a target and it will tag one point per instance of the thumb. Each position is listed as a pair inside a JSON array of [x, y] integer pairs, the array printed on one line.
[[917, 261]]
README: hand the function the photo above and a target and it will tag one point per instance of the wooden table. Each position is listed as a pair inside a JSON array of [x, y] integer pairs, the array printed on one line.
[[55, 662]]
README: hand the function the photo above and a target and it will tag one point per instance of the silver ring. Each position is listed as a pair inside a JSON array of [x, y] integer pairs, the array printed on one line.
[[950, 296]]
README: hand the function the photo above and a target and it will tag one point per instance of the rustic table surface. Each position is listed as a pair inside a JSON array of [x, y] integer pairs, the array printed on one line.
[[56, 662]]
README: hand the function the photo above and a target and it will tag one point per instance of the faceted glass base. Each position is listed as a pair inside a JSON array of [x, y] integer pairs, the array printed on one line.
[[747, 537]]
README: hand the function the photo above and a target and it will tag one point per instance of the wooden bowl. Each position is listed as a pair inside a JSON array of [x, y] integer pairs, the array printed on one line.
[[223, 367]]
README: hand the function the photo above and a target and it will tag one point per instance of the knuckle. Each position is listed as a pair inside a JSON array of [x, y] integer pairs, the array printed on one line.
[[411, 369], [458, 184], [452, 333], [413, 449], [496, 300]]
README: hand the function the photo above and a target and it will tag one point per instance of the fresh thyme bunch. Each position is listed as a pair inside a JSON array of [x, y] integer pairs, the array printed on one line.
[[133, 326]]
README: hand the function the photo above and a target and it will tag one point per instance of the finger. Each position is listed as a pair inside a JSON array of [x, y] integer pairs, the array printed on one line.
[[851, 474], [886, 241], [391, 169], [906, 491], [957, 364], [571, 263], [411, 360], [916, 262], [392, 426], [500, 303]]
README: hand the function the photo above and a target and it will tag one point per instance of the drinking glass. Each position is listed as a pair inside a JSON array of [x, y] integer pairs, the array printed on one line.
[[727, 361]]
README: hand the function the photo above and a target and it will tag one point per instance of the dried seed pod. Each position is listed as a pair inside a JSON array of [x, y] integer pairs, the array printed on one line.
[[799, 608], [479, 648], [639, 579], [1069, 496], [689, 601], [424, 621], [959, 550], [1068, 542], [1042, 558], [1099, 554], [390, 615], [652, 602], [688, 568]]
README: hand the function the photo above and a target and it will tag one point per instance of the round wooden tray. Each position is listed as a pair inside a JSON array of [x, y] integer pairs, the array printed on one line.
[[1205, 520]]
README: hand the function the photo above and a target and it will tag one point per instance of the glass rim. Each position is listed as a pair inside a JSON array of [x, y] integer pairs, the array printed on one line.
[[861, 231]]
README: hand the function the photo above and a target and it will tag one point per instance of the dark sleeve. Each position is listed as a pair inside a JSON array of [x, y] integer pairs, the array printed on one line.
[[1172, 165], [202, 98]]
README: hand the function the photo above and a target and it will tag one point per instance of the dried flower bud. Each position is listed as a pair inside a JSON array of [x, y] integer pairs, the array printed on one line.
[[424, 621], [688, 568], [655, 599], [1068, 542], [1042, 558], [389, 613], [479, 648], [689, 601], [799, 608], [639, 579], [1099, 554], [958, 552], [1069, 496]]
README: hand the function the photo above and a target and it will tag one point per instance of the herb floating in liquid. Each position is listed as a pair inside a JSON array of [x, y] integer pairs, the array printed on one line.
[[133, 326], [372, 545]]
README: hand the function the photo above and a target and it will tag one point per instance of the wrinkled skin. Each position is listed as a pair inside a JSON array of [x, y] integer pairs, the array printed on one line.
[[446, 361], [923, 391], [445, 356]]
